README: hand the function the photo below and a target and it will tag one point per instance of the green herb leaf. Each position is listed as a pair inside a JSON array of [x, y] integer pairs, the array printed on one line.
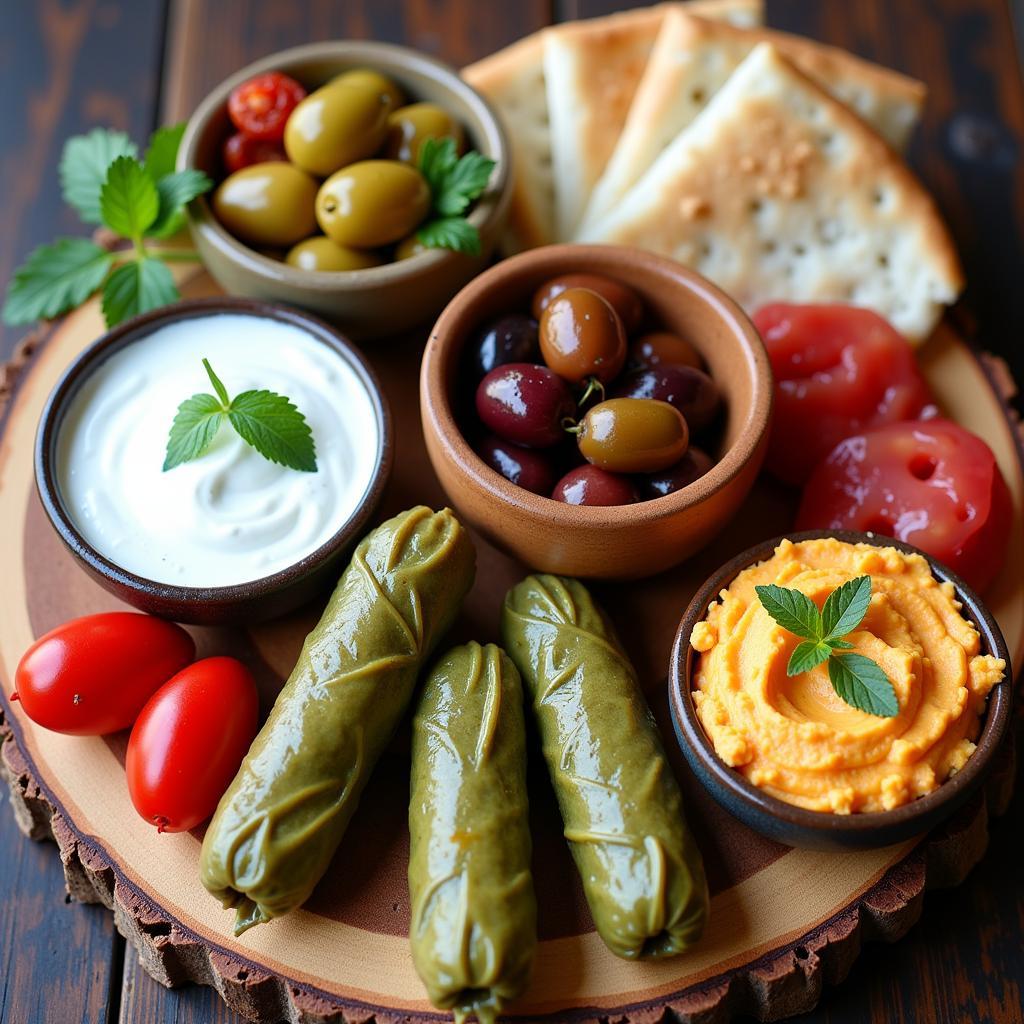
[[863, 685], [163, 150], [54, 279], [275, 428], [195, 425], [173, 192], [137, 287], [454, 233], [792, 610], [845, 608], [437, 160], [467, 179], [83, 168], [218, 385], [128, 200], [807, 655]]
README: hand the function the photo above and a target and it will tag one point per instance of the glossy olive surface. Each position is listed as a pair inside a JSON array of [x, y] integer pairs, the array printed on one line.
[[690, 391], [633, 435], [624, 300], [371, 203], [692, 466], [410, 246], [409, 127], [664, 347], [528, 468], [591, 485], [510, 339], [525, 404], [320, 253], [340, 123], [368, 78], [582, 336], [267, 204]]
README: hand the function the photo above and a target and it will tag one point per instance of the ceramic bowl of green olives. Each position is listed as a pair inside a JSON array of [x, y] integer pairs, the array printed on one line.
[[363, 181], [595, 411]]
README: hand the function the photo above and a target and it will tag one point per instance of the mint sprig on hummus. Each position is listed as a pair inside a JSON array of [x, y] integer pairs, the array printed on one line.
[[858, 680]]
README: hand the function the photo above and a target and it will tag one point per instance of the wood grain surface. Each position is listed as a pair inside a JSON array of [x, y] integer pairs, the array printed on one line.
[[66, 65]]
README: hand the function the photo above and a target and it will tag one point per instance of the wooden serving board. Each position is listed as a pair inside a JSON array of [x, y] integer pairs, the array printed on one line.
[[782, 921]]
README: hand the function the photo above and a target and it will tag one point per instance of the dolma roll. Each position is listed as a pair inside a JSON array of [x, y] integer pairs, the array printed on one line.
[[474, 914], [621, 806], [281, 819]]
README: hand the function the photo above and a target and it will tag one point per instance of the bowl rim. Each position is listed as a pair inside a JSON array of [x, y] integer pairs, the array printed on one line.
[[952, 792], [134, 330], [462, 314], [488, 208]]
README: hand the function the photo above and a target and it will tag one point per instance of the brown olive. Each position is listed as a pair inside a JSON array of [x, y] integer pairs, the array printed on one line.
[[624, 300], [375, 80], [409, 127], [410, 246], [320, 253], [633, 435], [663, 347], [372, 203], [582, 336], [338, 124], [269, 204]]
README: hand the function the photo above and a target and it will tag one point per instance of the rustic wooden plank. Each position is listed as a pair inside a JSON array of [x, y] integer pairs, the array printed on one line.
[[65, 66]]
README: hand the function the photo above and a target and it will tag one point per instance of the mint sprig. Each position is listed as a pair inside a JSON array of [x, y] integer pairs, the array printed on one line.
[[454, 183], [106, 183], [268, 422], [858, 680]]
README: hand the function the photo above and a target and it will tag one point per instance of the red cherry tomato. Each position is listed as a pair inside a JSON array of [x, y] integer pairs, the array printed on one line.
[[92, 675], [930, 483], [261, 106], [241, 150], [189, 741], [838, 370]]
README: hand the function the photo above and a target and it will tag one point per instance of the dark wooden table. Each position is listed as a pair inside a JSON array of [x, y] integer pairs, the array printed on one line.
[[66, 65]]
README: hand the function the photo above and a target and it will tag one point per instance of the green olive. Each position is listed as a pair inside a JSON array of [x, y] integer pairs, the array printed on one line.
[[408, 127], [374, 79], [337, 125], [267, 204], [410, 246], [372, 203], [633, 435], [320, 253]]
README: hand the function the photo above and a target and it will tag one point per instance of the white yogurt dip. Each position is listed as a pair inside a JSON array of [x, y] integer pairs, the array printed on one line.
[[230, 516]]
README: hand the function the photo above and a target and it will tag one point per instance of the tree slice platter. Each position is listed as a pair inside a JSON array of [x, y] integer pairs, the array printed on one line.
[[783, 922]]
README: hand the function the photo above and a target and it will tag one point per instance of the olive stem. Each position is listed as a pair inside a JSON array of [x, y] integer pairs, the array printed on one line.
[[593, 384], [570, 426]]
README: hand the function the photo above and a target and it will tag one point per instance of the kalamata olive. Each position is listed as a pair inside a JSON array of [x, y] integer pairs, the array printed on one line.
[[662, 347], [582, 336], [525, 404], [371, 203], [633, 435], [512, 339], [267, 204], [693, 465], [409, 127], [623, 299], [691, 391], [591, 485], [340, 123], [525, 467], [367, 77], [320, 253]]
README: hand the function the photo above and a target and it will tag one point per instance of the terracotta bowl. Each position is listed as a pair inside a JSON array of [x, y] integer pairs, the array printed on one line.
[[614, 542], [364, 303], [821, 830], [242, 603]]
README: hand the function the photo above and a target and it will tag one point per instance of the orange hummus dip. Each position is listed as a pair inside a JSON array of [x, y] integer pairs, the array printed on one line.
[[794, 737]]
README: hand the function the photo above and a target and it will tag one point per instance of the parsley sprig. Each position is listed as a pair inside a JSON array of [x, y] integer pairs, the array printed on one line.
[[268, 422], [103, 178], [454, 183], [857, 679]]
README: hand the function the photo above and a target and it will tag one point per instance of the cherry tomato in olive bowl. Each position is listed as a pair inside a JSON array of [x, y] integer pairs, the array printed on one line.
[[241, 150], [189, 741], [839, 370], [91, 676], [261, 106], [930, 483]]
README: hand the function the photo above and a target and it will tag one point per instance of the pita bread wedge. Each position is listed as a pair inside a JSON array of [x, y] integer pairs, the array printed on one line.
[[778, 192], [692, 59]]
